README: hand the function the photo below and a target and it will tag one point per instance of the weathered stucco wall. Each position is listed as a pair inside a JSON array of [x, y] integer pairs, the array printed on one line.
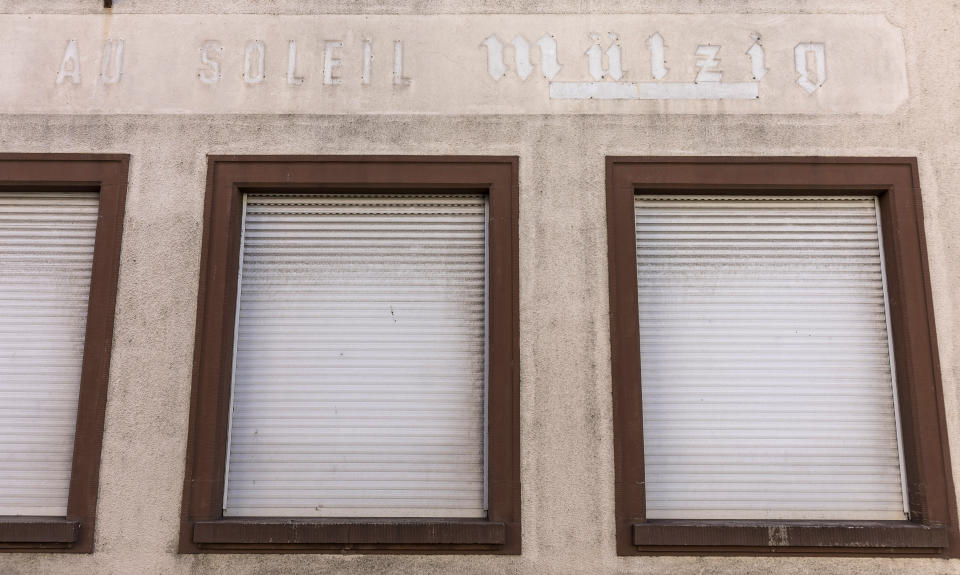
[[567, 458]]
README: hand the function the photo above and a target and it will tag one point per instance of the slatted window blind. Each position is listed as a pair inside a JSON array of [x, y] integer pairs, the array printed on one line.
[[46, 258], [765, 360], [359, 377]]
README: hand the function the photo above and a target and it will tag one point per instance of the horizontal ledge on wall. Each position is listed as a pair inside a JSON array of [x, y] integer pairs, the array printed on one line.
[[790, 534], [350, 531], [24, 529]]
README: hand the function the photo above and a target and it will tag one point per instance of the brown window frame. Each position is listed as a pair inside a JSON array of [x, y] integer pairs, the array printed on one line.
[[932, 529], [203, 529], [106, 174]]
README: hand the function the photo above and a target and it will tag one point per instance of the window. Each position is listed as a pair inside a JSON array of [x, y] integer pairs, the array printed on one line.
[[61, 219], [355, 381], [776, 387]]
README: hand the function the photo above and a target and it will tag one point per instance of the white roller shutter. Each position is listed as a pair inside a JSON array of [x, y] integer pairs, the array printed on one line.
[[765, 359], [46, 258], [359, 378]]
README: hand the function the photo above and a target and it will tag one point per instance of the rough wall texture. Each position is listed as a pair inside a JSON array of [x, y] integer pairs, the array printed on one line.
[[567, 470]]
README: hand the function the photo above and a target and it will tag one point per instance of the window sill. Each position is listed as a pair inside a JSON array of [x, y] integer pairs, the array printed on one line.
[[335, 534], [38, 532], [802, 537]]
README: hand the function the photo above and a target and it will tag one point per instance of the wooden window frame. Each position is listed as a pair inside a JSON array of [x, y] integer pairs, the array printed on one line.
[[106, 174], [932, 529], [203, 529]]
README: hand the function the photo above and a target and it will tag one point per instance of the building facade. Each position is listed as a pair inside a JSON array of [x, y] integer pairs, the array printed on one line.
[[511, 180]]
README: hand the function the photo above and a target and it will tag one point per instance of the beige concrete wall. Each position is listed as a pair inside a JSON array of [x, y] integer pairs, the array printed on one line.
[[567, 462]]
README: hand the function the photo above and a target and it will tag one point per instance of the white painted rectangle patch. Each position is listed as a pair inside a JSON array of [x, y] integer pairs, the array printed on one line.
[[654, 91]]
